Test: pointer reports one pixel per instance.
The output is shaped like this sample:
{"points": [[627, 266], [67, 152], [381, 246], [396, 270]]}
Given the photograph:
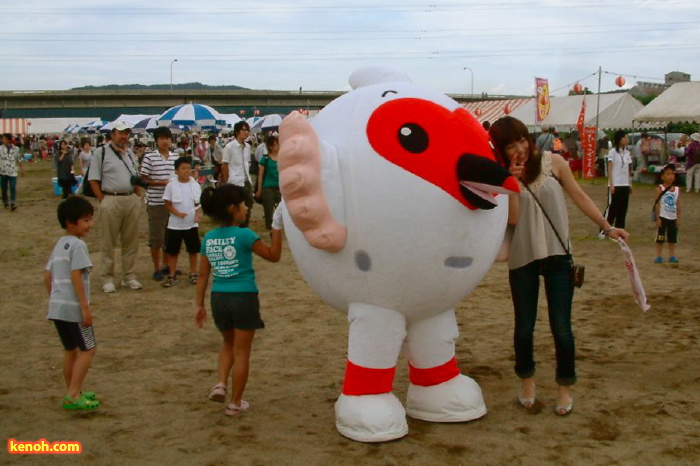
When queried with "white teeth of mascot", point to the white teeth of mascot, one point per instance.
{"points": [[379, 225]]}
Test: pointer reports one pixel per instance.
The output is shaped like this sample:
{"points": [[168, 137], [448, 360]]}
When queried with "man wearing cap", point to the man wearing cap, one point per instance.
{"points": [[692, 164], [113, 172], [236, 160]]}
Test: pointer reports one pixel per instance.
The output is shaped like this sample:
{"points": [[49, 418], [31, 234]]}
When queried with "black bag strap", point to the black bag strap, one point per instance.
{"points": [[661, 195], [566, 248]]}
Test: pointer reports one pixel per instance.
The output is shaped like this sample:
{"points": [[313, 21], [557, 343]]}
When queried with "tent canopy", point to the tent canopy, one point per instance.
{"points": [[679, 103], [617, 111]]}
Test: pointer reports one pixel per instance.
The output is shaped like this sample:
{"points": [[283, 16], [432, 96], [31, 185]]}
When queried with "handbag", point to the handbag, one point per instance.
{"points": [[578, 271]]}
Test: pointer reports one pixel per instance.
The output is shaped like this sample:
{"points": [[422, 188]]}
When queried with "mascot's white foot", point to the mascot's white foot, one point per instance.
{"points": [[370, 418], [457, 400]]}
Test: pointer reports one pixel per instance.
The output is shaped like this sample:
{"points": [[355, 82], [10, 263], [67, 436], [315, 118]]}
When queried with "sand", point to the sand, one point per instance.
{"points": [[636, 403]]}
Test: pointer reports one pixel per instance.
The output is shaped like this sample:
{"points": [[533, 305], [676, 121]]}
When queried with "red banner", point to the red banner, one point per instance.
{"points": [[542, 96], [581, 122], [588, 137]]}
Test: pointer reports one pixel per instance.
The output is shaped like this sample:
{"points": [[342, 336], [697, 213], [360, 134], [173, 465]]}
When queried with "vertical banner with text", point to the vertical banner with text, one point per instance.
{"points": [[588, 140], [542, 96]]}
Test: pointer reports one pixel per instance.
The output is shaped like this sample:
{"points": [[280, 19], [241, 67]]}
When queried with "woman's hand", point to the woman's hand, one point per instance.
{"points": [[619, 233], [516, 167]]}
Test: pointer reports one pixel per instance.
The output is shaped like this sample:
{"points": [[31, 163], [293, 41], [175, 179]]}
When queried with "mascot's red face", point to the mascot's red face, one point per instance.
{"points": [[448, 149]]}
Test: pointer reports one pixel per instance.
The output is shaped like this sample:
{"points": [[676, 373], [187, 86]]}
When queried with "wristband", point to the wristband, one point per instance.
{"points": [[606, 232]]}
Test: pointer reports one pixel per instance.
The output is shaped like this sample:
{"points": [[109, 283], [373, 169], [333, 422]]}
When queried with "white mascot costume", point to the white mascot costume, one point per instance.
{"points": [[392, 214]]}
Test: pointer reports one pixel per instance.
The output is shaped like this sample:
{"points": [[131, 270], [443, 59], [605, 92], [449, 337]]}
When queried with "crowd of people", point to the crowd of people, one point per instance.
{"points": [[537, 240]]}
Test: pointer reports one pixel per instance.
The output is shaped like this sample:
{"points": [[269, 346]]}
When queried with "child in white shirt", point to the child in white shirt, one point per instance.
{"points": [[181, 198]]}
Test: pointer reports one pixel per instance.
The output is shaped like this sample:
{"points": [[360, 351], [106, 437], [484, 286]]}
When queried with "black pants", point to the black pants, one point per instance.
{"points": [[617, 211], [66, 187]]}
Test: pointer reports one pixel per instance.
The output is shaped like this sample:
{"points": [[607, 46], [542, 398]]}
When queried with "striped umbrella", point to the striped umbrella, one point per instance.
{"points": [[193, 115]]}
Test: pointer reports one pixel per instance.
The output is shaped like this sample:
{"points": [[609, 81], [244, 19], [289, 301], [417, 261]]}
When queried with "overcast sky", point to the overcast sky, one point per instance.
{"points": [[271, 44]]}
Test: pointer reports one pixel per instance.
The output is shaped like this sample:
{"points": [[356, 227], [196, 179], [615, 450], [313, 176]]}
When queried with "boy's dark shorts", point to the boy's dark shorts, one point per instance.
{"points": [[668, 232], [236, 310], [174, 238], [75, 335]]}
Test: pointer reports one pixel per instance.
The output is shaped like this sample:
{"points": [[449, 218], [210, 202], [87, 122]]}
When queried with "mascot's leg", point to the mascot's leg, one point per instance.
{"points": [[367, 411], [438, 392]]}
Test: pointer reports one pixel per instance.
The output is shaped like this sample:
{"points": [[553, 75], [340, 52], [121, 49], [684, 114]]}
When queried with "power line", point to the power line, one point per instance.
{"points": [[276, 9], [350, 55]]}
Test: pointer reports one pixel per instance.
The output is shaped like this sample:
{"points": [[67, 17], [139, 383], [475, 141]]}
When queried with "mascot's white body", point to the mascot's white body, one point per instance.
{"points": [[377, 225]]}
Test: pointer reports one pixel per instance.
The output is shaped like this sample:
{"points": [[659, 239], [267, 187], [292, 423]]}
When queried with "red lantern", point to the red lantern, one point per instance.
{"points": [[578, 88], [620, 81], [256, 112], [478, 112], [242, 112], [507, 109]]}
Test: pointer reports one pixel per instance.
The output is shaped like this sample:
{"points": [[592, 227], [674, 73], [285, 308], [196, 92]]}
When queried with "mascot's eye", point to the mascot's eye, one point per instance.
{"points": [[413, 138]]}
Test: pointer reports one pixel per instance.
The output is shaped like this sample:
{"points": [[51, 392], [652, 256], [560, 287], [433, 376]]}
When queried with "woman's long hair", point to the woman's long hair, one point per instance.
{"points": [[508, 130], [617, 139]]}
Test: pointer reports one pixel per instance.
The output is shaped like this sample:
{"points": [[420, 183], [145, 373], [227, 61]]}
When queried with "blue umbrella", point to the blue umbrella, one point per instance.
{"points": [[193, 115]]}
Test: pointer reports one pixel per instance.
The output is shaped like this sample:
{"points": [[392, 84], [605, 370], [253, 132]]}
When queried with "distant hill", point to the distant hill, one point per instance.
{"points": [[158, 87]]}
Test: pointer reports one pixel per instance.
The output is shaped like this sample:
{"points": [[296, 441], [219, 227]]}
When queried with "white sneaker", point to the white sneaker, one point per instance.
{"points": [[132, 283], [109, 287]]}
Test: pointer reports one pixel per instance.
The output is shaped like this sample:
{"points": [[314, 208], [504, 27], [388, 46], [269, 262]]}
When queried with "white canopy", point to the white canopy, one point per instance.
{"points": [[679, 103], [616, 111], [131, 119]]}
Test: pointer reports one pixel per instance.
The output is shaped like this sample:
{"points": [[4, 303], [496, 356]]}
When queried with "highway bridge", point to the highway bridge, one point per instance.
{"points": [[109, 104]]}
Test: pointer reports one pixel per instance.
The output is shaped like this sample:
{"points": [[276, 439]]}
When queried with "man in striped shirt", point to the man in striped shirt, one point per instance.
{"points": [[156, 170]]}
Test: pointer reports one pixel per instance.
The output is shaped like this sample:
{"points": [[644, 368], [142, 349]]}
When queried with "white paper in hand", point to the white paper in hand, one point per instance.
{"points": [[277, 218], [637, 288]]}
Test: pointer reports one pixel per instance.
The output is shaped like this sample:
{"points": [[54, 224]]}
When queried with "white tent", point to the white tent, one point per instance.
{"points": [[617, 111], [679, 103]]}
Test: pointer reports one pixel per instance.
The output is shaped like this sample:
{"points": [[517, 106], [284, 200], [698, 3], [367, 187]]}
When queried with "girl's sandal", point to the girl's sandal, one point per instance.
{"points": [[234, 409], [193, 278], [218, 393], [80, 404]]}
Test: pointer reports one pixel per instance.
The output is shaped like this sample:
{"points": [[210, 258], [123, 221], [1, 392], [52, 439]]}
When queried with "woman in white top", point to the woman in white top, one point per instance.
{"points": [[536, 250], [619, 180], [85, 156]]}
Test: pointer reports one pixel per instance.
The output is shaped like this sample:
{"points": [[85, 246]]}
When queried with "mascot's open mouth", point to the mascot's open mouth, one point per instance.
{"points": [[480, 178]]}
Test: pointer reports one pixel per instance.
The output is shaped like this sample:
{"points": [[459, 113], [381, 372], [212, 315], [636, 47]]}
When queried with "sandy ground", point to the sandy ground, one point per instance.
{"points": [[637, 401]]}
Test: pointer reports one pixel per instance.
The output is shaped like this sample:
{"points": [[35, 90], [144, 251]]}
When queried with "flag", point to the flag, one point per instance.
{"points": [[542, 96], [581, 122], [635, 280]]}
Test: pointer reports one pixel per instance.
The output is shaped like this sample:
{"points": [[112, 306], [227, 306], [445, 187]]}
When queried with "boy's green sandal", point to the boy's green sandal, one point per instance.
{"points": [[80, 404], [89, 395]]}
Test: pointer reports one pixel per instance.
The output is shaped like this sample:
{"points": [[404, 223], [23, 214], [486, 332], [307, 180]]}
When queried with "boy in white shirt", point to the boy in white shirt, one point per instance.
{"points": [[181, 198]]}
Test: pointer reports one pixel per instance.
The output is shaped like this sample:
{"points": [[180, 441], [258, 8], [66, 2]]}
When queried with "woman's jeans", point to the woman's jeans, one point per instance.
{"points": [[66, 187], [524, 287], [10, 181]]}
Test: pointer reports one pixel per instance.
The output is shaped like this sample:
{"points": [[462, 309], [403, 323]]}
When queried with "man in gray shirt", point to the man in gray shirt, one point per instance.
{"points": [[111, 178]]}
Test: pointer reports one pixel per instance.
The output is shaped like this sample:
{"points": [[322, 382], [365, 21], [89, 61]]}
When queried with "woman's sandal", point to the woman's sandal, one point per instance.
{"points": [[218, 393], [234, 409], [563, 410], [80, 404], [193, 278], [527, 403]]}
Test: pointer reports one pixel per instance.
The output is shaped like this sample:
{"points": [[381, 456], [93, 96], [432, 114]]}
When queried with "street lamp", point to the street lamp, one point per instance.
{"points": [[171, 74], [472, 81]]}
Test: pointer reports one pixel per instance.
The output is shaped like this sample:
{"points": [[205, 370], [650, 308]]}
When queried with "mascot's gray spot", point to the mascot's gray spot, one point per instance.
{"points": [[363, 261], [458, 262]]}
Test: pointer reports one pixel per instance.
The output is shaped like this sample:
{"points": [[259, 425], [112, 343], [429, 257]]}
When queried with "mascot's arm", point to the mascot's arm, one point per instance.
{"points": [[301, 185]]}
